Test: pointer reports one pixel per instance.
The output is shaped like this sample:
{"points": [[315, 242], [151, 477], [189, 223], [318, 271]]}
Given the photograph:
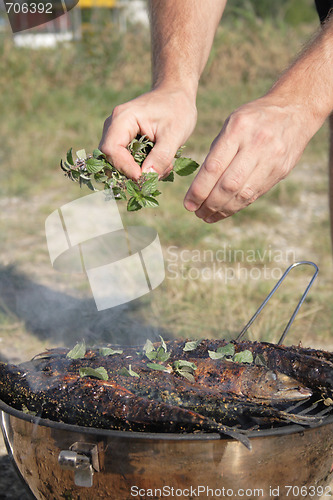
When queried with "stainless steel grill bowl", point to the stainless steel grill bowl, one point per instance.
{"points": [[62, 461]]}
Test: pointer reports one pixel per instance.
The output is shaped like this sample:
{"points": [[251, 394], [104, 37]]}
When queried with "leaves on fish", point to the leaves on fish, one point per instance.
{"points": [[108, 351], [78, 351], [159, 354], [148, 347], [185, 369], [191, 345], [225, 351], [93, 170], [155, 366], [128, 372], [243, 357], [99, 372]]}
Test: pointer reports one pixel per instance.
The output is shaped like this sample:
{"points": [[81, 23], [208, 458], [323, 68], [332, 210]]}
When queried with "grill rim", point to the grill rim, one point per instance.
{"points": [[284, 430]]}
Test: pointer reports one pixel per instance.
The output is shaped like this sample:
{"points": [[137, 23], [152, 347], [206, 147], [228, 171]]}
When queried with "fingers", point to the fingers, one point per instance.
{"points": [[166, 116], [214, 166], [258, 146], [161, 157], [114, 142]]}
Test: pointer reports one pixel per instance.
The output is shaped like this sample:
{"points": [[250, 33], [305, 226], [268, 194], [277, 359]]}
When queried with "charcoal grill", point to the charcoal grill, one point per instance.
{"points": [[62, 461]]}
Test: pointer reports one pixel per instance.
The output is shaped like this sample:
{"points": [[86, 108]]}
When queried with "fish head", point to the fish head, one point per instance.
{"points": [[279, 387]]}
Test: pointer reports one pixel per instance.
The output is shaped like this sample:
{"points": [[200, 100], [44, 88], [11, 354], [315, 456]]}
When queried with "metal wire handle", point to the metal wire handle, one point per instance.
{"points": [[286, 330]]}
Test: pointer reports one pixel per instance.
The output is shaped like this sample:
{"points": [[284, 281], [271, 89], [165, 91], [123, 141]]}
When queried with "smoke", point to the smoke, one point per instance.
{"points": [[64, 319]]}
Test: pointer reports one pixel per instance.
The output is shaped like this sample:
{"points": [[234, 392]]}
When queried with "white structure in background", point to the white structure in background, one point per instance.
{"points": [[64, 28], [132, 12]]}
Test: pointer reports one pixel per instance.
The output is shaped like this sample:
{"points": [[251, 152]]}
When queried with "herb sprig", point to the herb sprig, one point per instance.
{"points": [[95, 170]]}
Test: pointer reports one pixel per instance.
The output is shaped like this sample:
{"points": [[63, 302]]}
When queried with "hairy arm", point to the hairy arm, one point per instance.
{"points": [[262, 141], [182, 34]]}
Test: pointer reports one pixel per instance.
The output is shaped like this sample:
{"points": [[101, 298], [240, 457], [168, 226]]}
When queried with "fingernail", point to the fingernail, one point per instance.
{"points": [[149, 170], [210, 219], [191, 206]]}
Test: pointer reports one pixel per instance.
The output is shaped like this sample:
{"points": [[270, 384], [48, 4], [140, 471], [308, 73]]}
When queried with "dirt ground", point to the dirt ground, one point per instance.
{"points": [[11, 487]]}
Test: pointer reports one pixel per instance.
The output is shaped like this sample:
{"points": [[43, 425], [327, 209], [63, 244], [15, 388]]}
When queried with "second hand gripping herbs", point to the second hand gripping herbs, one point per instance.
{"points": [[95, 170]]}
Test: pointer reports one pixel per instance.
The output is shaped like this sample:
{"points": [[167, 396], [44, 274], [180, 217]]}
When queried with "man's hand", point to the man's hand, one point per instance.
{"points": [[258, 146], [166, 116]]}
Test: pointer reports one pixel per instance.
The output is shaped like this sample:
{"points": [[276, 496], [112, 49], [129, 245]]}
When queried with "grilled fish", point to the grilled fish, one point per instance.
{"points": [[212, 396]]}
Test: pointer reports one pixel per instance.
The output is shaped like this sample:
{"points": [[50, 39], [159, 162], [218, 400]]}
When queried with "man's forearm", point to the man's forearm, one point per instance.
{"points": [[182, 35], [308, 83]]}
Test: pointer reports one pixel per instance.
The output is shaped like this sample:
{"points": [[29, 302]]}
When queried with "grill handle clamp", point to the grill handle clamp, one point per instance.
{"points": [[286, 330], [82, 459]]}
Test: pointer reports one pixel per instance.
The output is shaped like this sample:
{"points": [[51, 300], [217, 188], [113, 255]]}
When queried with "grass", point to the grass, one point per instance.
{"points": [[53, 100]]}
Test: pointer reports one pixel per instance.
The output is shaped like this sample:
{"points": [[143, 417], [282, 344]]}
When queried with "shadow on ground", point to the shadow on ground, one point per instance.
{"points": [[11, 486]]}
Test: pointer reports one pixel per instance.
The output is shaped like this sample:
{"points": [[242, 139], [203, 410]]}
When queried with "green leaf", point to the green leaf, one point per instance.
{"points": [[118, 193], [185, 369], [87, 182], [81, 154], [75, 174], [163, 344], [152, 355], [216, 355], [67, 165], [182, 364], [78, 351], [156, 193], [133, 205], [108, 351], [64, 167], [222, 352], [185, 166], [243, 357], [149, 201], [100, 177], [169, 178], [94, 166], [155, 366], [132, 188], [84, 176], [129, 372], [192, 345], [70, 157], [99, 372], [97, 153], [148, 347], [162, 355], [149, 185], [227, 350], [189, 376]]}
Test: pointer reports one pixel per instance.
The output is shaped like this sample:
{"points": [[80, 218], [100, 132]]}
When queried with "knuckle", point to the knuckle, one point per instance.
{"points": [[196, 192], [117, 111], [230, 185], [283, 172], [246, 195], [238, 121], [213, 166]]}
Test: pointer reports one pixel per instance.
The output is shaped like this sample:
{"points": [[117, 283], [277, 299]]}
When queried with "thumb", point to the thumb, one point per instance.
{"points": [[160, 159]]}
